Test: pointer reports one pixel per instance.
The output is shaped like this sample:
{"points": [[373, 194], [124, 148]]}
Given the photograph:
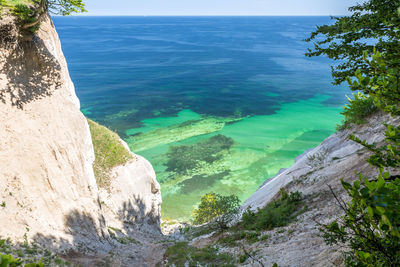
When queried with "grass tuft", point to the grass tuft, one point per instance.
{"points": [[278, 213], [357, 110], [109, 152], [181, 254]]}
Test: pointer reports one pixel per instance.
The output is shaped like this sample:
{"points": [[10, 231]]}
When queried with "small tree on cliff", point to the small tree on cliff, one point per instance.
{"points": [[216, 208], [31, 15]]}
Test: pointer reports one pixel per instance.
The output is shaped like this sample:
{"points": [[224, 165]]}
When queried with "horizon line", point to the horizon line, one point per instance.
{"points": [[111, 15]]}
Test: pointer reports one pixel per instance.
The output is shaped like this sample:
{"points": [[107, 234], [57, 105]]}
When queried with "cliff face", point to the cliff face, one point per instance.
{"points": [[46, 153], [47, 186], [300, 243]]}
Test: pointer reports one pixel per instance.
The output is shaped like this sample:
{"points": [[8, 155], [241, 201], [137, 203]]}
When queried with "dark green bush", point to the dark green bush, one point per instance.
{"points": [[371, 224], [231, 238], [10, 261], [181, 253], [29, 255], [357, 110], [26, 15], [276, 214]]}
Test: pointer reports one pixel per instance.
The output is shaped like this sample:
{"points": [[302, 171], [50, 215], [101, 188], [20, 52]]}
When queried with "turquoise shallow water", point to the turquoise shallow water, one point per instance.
{"points": [[214, 103], [262, 145]]}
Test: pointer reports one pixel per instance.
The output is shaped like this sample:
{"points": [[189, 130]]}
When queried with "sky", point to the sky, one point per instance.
{"points": [[218, 7]]}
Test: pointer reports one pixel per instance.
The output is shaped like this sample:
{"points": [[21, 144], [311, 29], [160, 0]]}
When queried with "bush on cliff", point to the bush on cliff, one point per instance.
{"points": [[109, 152], [371, 224], [357, 110], [276, 214], [31, 12], [216, 208], [181, 254], [28, 255]]}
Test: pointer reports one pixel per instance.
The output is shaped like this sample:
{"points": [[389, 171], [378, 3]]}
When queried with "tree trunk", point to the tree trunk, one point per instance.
{"points": [[40, 13]]}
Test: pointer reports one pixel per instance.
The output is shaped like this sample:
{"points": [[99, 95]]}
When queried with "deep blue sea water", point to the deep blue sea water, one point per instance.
{"points": [[177, 81]]}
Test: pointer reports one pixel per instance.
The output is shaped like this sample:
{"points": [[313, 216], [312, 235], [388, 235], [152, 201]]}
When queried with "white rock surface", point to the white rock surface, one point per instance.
{"points": [[47, 182], [133, 196], [46, 153]]}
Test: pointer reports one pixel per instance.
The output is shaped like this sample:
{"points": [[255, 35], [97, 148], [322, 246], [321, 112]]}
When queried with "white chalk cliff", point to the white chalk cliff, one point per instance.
{"points": [[48, 190]]}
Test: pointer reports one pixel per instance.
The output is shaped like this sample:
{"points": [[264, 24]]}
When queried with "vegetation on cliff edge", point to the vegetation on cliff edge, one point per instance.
{"points": [[109, 152], [28, 255], [29, 13]]}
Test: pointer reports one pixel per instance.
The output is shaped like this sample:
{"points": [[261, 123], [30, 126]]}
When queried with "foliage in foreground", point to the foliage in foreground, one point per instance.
{"points": [[372, 26], [371, 224], [368, 42], [387, 155], [109, 152], [217, 208], [181, 253], [382, 83], [278, 213], [27, 255], [357, 110]]}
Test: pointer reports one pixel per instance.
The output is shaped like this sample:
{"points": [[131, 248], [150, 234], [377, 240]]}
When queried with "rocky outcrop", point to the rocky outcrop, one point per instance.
{"points": [[134, 196], [48, 190]]}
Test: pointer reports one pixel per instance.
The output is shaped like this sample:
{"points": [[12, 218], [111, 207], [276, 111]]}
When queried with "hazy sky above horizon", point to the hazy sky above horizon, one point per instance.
{"points": [[219, 7]]}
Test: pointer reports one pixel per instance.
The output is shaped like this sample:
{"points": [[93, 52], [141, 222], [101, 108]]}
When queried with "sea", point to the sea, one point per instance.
{"points": [[216, 104]]}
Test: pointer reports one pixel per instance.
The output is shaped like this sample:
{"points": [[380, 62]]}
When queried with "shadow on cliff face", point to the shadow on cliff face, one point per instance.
{"points": [[31, 69], [133, 214], [87, 234]]}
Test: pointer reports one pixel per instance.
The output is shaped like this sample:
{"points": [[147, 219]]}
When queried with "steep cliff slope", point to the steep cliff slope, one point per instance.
{"points": [[337, 157], [46, 152], [48, 190]]}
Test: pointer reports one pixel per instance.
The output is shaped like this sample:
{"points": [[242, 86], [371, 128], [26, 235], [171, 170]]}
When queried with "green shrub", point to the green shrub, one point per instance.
{"points": [[109, 152], [187, 157], [371, 224], [357, 110], [230, 239], [382, 83], [387, 155], [276, 214], [30, 12], [243, 258], [181, 254], [29, 255], [216, 208], [25, 16], [10, 261]]}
